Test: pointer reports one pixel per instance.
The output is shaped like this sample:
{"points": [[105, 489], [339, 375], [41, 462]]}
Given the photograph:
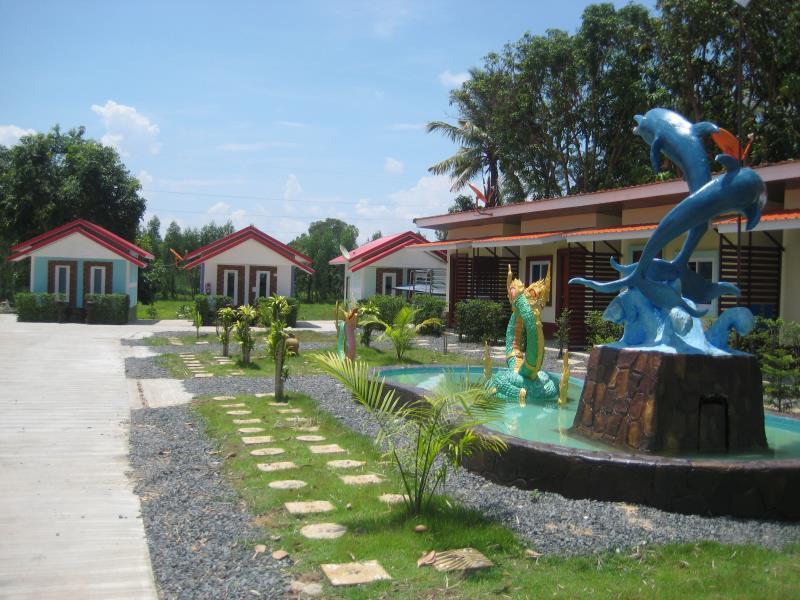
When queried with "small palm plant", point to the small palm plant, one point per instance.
{"points": [[427, 438], [402, 332], [245, 317], [226, 318], [197, 320], [275, 311]]}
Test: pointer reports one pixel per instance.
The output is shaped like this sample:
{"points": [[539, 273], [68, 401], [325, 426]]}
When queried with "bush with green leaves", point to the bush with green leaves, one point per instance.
{"points": [[781, 370], [110, 309], [387, 306], [208, 306], [429, 307], [226, 317], [562, 331], [402, 331], [599, 331], [36, 306], [243, 330], [275, 310], [480, 320], [427, 438], [367, 309]]}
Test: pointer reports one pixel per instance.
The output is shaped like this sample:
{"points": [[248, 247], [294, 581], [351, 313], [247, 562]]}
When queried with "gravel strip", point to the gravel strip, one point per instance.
{"points": [[145, 368], [551, 523], [200, 534]]}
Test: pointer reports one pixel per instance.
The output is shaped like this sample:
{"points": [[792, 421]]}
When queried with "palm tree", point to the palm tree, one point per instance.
{"points": [[403, 330]]}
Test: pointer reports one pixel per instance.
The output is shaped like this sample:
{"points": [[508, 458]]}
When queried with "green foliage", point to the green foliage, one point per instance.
{"points": [[226, 317], [197, 320], [267, 310], [480, 320], [428, 307], [782, 372], [152, 312], [367, 309], [109, 308], [387, 306], [599, 331], [562, 330], [208, 306], [243, 332], [402, 331], [321, 244], [36, 307], [424, 439]]}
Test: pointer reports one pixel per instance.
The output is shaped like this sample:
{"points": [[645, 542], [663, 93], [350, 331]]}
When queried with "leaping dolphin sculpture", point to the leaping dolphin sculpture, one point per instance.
{"points": [[738, 190]]}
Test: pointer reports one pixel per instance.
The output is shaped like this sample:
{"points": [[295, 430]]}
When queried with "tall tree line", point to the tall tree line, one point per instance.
{"points": [[552, 114]]}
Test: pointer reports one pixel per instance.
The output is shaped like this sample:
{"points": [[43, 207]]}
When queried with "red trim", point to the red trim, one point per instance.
{"points": [[389, 252], [381, 248], [102, 232], [778, 215], [233, 240]]}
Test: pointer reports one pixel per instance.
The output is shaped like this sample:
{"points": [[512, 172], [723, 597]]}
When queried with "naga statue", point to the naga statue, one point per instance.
{"points": [[659, 301], [346, 331], [523, 379]]}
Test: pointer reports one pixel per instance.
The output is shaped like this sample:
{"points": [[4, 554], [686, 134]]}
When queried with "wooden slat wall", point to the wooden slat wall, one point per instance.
{"points": [[592, 265], [482, 277], [761, 277]]}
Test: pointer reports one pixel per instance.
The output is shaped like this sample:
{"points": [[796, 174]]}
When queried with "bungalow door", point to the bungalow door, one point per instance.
{"points": [[263, 284]]}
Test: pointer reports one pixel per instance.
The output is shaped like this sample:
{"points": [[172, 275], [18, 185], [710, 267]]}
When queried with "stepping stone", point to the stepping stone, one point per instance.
{"points": [[257, 439], [310, 507], [265, 395], [308, 428], [250, 429], [246, 421], [267, 451], [224, 397], [306, 588], [323, 531], [201, 343], [236, 405], [236, 413], [346, 464], [361, 479], [392, 498], [284, 404], [355, 573], [463, 559], [287, 484], [203, 375], [290, 411], [233, 373], [276, 466], [296, 419], [326, 449], [310, 438]]}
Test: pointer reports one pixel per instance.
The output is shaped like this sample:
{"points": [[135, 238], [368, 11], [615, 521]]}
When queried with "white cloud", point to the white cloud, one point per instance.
{"points": [[393, 166], [406, 126], [255, 146], [240, 219], [10, 134], [144, 178], [431, 195], [127, 129], [292, 124], [220, 208], [453, 80], [292, 189]]}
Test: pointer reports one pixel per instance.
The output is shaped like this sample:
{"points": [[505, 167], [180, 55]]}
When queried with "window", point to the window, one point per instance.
{"points": [[262, 284], [705, 264], [389, 283], [62, 280], [97, 280], [537, 270], [231, 284]]}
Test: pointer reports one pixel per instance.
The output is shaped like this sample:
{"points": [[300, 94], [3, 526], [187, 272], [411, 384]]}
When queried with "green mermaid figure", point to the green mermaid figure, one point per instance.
{"points": [[346, 332], [523, 379]]}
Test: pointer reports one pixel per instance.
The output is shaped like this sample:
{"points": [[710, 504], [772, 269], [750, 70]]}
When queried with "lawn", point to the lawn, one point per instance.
{"points": [[166, 310], [316, 312], [377, 531]]}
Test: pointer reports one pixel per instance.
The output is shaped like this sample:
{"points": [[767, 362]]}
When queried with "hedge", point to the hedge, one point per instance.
{"points": [[428, 307], [109, 309], [209, 305], [480, 320], [36, 307], [599, 331], [388, 306]]}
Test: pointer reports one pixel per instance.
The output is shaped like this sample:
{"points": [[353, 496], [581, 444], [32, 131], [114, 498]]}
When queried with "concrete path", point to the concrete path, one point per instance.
{"points": [[69, 521]]}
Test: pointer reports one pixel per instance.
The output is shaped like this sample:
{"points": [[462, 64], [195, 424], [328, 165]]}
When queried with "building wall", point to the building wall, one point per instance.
{"points": [[791, 196], [566, 222], [246, 254], [39, 269], [790, 276], [476, 231]]}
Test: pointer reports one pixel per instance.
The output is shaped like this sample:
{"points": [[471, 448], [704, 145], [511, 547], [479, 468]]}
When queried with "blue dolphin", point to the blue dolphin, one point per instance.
{"points": [[738, 190]]}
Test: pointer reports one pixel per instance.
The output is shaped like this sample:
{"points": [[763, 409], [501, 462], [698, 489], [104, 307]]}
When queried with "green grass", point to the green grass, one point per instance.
{"points": [[385, 533], [166, 309], [263, 366], [316, 312]]}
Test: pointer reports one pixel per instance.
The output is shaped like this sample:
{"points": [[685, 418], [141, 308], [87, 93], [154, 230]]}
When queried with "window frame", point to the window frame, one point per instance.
{"points": [[67, 269], [540, 260], [235, 294], [102, 271], [258, 283], [394, 284]]}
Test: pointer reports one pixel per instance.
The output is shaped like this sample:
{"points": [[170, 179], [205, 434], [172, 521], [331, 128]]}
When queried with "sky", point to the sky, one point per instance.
{"points": [[268, 113]]}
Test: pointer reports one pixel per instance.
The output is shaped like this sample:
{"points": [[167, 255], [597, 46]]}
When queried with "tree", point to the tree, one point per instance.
{"points": [[321, 243], [49, 179], [376, 236]]}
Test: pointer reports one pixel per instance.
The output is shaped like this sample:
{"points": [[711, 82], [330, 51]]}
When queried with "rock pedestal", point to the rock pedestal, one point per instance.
{"points": [[672, 403]]}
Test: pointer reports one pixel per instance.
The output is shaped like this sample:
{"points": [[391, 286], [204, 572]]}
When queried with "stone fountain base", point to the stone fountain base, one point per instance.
{"points": [[672, 403]]}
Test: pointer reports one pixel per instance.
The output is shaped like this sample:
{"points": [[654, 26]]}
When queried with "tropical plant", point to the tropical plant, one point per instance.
{"points": [[599, 331], [562, 330], [427, 438], [243, 332], [152, 312], [197, 320], [367, 309], [226, 318], [402, 331], [782, 372], [274, 311]]}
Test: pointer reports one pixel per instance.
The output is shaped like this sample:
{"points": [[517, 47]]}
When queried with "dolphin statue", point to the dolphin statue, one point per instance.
{"points": [[738, 190], [668, 132]]}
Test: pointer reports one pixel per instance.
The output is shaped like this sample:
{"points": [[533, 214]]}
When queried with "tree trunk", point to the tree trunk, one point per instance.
{"points": [[279, 371], [225, 348]]}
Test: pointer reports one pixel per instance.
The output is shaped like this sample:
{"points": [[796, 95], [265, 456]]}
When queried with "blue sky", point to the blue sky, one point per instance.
{"points": [[270, 113]]}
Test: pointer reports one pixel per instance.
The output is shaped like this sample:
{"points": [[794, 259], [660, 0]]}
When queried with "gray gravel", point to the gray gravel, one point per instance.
{"points": [[551, 523], [200, 534], [144, 368]]}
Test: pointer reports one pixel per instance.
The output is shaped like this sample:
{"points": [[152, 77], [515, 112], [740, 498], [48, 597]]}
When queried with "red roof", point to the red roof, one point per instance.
{"points": [[778, 215], [381, 248], [219, 246], [100, 235]]}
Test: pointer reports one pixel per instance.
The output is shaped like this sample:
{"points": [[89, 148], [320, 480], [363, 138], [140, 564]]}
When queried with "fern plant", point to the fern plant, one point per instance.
{"points": [[427, 438], [402, 331], [243, 332], [226, 319]]}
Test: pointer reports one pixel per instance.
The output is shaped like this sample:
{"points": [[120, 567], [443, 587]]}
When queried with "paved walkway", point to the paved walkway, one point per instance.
{"points": [[69, 522]]}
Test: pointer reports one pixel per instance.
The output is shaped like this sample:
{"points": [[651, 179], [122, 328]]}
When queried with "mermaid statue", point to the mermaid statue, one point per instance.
{"points": [[524, 380], [346, 332]]}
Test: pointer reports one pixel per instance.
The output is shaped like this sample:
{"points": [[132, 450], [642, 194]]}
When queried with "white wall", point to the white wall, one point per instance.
{"points": [[76, 245], [250, 253], [408, 259]]}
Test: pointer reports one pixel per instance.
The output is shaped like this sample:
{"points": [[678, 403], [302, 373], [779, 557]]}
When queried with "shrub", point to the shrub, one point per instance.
{"points": [[36, 307], [402, 331], [110, 309], [388, 306], [227, 319], [245, 317], [367, 309], [294, 308], [562, 331], [428, 307], [480, 320], [599, 331], [208, 306]]}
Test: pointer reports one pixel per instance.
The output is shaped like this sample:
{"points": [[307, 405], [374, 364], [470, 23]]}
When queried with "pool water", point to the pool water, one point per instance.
{"points": [[549, 423]]}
